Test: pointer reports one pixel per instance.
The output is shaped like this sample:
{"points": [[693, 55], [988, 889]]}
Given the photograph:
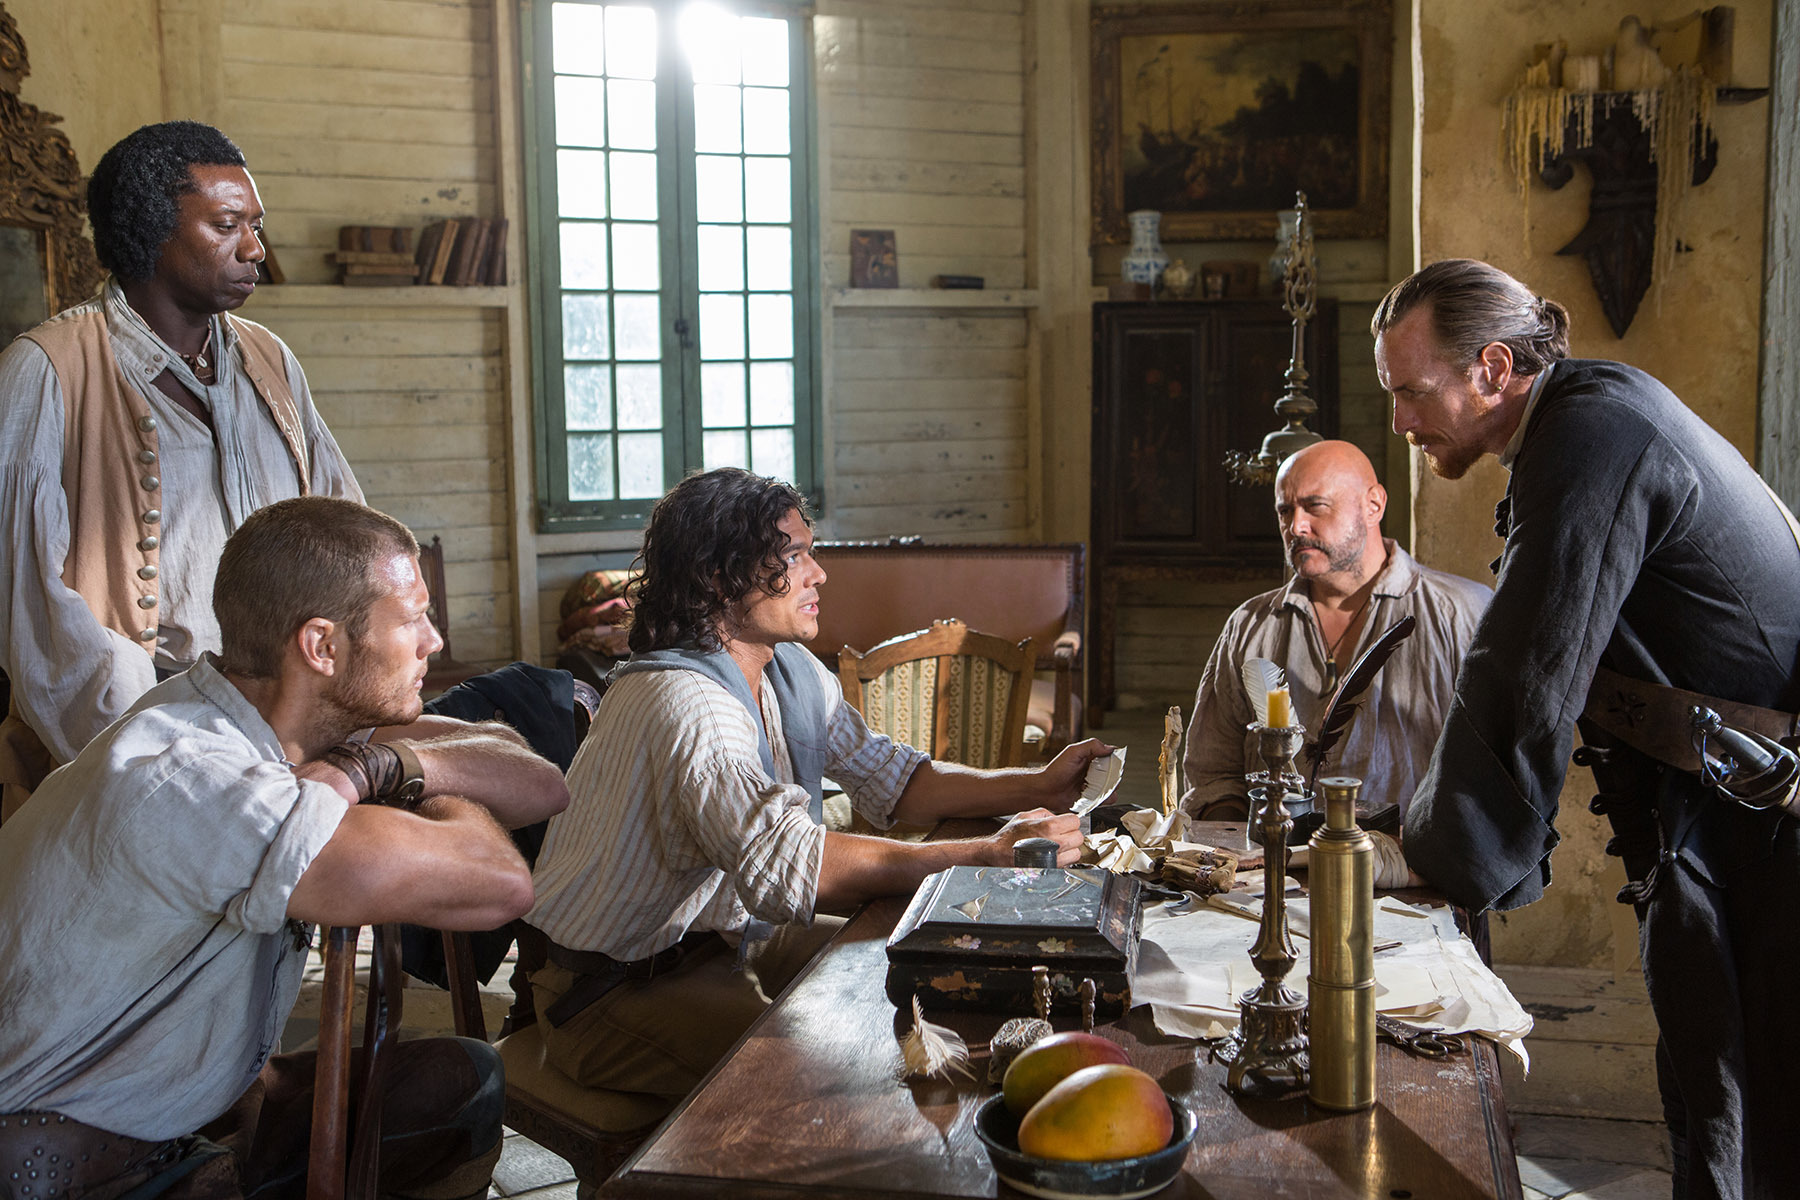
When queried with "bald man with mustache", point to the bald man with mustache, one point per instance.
{"points": [[1350, 584]]}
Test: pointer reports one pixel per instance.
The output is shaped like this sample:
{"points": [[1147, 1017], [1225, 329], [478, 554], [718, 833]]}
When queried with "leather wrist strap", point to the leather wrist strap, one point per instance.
{"points": [[410, 789], [382, 772]]}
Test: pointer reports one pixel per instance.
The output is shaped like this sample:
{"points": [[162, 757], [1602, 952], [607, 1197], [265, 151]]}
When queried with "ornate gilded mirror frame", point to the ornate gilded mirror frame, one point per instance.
{"points": [[42, 193]]}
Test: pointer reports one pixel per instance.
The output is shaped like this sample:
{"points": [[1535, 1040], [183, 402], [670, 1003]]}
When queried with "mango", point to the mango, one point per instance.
{"points": [[1097, 1114], [1046, 1063]]}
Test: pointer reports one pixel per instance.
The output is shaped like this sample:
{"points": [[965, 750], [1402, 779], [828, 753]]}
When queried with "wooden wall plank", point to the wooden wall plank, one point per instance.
{"points": [[941, 364], [902, 489], [962, 395], [303, 194], [931, 456], [921, 83], [337, 374], [932, 179], [341, 158], [885, 42], [329, 119], [916, 144], [359, 49], [878, 23], [928, 332], [954, 116], [385, 88], [469, 22], [884, 428]]}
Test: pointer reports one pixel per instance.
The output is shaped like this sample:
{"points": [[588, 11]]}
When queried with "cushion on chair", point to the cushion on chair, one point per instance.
{"points": [[599, 1110], [898, 702], [975, 701]]}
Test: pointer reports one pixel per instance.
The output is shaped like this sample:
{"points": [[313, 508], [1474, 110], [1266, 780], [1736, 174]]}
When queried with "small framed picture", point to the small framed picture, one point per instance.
{"points": [[872, 261]]}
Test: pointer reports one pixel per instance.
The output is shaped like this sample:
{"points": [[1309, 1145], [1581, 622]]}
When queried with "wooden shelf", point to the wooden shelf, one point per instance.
{"points": [[933, 298], [336, 295]]}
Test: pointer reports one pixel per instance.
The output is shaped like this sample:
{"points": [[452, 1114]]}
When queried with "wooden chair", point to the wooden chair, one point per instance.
{"points": [[343, 1164], [445, 671], [594, 1129], [955, 693]]}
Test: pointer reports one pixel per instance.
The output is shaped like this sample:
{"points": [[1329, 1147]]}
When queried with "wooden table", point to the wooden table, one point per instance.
{"points": [[808, 1105]]}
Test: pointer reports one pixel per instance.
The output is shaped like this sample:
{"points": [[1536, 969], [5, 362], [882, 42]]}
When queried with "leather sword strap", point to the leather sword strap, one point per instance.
{"points": [[1652, 718]]}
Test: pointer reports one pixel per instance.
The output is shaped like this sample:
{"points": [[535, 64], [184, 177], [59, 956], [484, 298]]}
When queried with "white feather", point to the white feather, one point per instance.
{"points": [[1260, 678], [933, 1049]]}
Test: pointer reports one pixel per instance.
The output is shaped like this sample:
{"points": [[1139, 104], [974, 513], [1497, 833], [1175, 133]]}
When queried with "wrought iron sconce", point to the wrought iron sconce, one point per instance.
{"points": [[1300, 299]]}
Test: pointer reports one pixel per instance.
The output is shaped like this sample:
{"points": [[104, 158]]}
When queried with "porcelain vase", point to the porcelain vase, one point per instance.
{"points": [[1146, 259]]}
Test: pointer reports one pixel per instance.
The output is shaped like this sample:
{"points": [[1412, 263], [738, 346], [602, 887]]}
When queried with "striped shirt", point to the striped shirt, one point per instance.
{"points": [[673, 825]]}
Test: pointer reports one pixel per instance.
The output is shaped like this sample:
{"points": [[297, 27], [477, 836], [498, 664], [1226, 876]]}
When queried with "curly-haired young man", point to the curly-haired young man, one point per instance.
{"points": [[681, 887], [137, 430]]}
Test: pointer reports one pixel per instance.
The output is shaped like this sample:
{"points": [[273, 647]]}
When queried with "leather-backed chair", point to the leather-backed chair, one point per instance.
{"points": [[879, 590], [957, 694], [594, 1129]]}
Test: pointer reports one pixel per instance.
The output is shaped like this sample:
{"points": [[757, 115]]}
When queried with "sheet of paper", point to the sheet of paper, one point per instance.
{"points": [[1193, 965], [1103, 776]]}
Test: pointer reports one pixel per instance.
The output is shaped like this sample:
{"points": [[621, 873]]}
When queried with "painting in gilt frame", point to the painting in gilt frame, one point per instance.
{"points": [[1215, 114]]}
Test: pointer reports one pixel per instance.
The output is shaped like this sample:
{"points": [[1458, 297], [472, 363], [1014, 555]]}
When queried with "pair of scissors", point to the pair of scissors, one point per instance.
{"points": [[1422, 1042]]}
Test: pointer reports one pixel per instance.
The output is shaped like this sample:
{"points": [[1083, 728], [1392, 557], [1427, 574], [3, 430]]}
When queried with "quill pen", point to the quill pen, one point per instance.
{"points": [[1260, 678], [1351, 693]]}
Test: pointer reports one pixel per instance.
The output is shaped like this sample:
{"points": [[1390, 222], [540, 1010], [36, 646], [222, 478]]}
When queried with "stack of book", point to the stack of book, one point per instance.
{"points": [[374, 256], [463, 252]]}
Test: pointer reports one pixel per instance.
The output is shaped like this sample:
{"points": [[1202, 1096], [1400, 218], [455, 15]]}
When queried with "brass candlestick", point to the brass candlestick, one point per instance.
{"points": [[1268, 1053], [1276, 746]]}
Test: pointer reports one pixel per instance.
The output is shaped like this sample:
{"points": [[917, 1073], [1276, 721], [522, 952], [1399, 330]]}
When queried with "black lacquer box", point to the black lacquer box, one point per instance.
{"points": [[972, 935]]}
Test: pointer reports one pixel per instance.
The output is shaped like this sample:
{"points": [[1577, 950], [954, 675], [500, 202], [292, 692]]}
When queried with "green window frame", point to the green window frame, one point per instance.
{"points": [[674, 250]]}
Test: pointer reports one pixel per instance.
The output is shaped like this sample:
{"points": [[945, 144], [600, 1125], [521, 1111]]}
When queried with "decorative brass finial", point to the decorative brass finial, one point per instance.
{"points": [[1296, 405]]}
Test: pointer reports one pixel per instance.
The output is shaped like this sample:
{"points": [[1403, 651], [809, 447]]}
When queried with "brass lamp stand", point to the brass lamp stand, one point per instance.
{"points": [[1299, 298], [1268, 1053]]}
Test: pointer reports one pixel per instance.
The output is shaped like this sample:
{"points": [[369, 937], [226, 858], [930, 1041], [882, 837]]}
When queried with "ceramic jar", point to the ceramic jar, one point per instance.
{"points": [[1146, 259], [1178, 280]]}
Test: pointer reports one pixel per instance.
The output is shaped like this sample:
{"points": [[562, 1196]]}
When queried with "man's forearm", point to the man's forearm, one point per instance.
{"points": [[447, 865], [938, 791], [491, 765], [855, 869]]}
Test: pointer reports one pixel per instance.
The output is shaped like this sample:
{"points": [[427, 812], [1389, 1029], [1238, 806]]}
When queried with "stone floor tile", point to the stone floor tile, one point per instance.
{"points": [[1565, 1176], [561, 1191], [1640, 1185], [525, 1166], [1638, 1143]]}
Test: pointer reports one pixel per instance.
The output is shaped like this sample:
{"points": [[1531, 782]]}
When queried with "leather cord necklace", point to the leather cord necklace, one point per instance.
{"points": [[197, 362], [1331, 667]]}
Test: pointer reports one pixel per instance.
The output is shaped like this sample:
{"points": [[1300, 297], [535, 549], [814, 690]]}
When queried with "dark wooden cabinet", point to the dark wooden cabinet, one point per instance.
{"points": [[1176, 386]]}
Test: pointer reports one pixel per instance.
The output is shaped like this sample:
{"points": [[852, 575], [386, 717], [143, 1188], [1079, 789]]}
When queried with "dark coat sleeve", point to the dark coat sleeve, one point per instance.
{"points": [[1593, 493]]}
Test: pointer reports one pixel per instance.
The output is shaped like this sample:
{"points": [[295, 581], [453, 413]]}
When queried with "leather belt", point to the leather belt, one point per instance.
{"points": [[1652, 718], [54, 1157], [597, 974]]}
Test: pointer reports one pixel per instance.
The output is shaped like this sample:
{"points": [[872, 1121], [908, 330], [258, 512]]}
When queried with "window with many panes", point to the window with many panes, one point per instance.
{"points": [[673, 253]]}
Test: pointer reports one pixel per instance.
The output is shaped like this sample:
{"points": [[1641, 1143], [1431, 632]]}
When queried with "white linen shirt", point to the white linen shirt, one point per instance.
{"points": [[674, 826], [146, 961], [71, 676], [1389, 742]]}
